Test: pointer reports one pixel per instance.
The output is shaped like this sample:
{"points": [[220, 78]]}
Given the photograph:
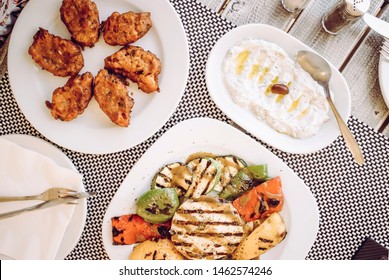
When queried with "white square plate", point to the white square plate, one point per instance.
{"points": [[300, 211]]}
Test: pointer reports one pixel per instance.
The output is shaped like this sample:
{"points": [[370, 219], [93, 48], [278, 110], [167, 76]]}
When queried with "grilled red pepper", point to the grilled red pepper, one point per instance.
{"points": [[260, 201], [130, 229]]}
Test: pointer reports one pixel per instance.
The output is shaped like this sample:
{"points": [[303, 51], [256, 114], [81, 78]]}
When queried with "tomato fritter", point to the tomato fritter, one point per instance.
{"points": [[59, 56], [71, 100], [140, 66], [111, 93], [81, 18], [123, 29]]}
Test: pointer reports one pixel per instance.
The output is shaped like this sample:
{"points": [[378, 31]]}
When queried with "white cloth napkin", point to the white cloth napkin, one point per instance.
{"points": [[37, 234]]}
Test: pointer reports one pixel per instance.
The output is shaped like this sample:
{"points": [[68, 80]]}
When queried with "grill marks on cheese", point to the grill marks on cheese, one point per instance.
{"points": [[207, 228]]}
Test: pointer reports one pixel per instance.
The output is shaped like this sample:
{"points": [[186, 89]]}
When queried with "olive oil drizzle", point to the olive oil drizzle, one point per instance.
{"points": [[241, 61]]}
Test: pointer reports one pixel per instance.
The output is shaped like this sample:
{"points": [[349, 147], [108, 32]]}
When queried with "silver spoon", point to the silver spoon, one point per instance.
{"points": [[321, 72]]}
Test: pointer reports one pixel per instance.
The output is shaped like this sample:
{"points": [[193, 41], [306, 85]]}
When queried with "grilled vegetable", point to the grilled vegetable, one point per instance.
{"points": [[130, 229], [269, 234], [261, 201], [230, 165], [174, 175], [206, 228], [158, 205], [206, 175], [244, 180], [156, 249]]}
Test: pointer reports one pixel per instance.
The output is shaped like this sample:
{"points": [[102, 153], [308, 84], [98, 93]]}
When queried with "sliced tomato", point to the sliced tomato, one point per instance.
{"points": [[130, 229], [261, 201]]}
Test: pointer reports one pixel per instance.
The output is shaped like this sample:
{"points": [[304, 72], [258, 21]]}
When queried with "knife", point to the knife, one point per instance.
{"points": [[47, 204], [378, 25]]}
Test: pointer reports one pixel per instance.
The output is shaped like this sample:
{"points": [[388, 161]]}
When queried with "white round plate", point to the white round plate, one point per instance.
{"points": [[93, 132], [76, 225], [383, 74], [300, 211], [221, 96]]}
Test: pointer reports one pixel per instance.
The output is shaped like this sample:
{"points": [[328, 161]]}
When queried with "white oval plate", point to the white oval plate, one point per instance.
{"points": [[383, 74], [93, 132], [76, 225], [300, 210], [221, 96]]}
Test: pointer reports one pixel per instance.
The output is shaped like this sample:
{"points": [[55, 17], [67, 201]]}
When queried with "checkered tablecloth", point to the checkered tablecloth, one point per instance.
{"points": [[352, 200]]}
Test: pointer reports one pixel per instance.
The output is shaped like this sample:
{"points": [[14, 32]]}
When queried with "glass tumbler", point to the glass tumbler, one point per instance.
{"points": [[294, 5]]}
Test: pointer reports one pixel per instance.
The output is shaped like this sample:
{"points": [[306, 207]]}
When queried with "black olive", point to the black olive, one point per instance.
{"points": [[164, 231]]}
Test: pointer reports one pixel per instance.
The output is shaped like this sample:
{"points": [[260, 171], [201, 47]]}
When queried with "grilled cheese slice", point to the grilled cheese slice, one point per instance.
{"points": [[207, 228]]}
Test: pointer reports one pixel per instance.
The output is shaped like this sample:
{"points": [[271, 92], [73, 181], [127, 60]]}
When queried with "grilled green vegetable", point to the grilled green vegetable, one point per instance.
{"points": [[230, 165], [246, 178], [158, 205]]}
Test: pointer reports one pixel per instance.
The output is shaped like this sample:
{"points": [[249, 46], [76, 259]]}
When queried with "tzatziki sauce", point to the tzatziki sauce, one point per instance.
{"points": [[253, 66]]}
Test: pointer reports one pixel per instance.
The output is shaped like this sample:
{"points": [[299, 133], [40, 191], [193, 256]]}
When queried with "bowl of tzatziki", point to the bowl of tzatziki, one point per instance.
{"points": [[253, 77]]}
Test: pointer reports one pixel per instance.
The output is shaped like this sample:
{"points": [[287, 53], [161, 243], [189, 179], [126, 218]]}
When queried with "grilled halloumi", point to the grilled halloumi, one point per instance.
{"points": [[269, 234], [206, 228]]}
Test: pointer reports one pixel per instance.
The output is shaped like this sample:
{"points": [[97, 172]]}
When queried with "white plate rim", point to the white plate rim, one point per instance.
{"points": [[89, 135], [219, 93], [77, 223], [202, 134], [383, 68]]}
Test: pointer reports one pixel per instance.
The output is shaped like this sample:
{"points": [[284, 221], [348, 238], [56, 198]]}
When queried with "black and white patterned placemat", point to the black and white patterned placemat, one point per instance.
{"points": [[353, 201]]}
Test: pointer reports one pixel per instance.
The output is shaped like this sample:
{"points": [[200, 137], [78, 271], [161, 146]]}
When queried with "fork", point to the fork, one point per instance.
{"points": [[385, 48], [52, 193]]}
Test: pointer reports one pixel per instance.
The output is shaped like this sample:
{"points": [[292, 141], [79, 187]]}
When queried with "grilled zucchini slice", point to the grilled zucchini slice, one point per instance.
{"points": [[174, 175], [244, 180], [230, 165], [206, 175]]}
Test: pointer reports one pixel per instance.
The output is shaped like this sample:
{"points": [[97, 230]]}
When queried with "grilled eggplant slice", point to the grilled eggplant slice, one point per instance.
{"points": [[174, 175], [269, 234], [206, 228], [230, 165], [206, 175]]}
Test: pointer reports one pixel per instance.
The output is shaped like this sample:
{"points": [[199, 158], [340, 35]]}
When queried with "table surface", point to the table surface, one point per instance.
{"points": [[357, 47], [333, 178]]}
